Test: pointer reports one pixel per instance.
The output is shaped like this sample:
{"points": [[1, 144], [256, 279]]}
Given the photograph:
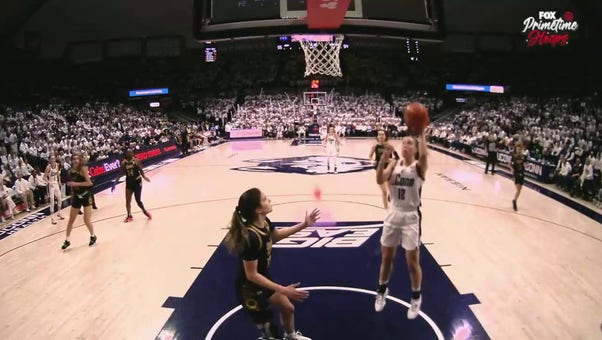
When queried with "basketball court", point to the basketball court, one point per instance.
{"points": [[489, 272]]}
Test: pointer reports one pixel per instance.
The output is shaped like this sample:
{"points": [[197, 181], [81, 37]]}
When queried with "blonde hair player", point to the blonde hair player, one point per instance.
{"points": [[403, 219], [332, 142], [53, 176], [251, 235], [81, 196], [382, 143]]}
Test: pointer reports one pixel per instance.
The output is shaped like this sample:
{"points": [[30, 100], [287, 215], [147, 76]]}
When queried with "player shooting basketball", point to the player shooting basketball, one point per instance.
{"points": [[402, 224]]}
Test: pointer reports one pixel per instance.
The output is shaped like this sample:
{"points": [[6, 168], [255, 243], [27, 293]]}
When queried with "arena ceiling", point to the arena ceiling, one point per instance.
{"points": [[458, 15], [15, 13]]}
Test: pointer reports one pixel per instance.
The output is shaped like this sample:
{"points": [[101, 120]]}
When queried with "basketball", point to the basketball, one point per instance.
{"points": [[416, 117]]}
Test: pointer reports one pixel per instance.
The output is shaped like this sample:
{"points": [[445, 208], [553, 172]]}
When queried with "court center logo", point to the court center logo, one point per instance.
{"points": [[550, 28], [307, 165]]}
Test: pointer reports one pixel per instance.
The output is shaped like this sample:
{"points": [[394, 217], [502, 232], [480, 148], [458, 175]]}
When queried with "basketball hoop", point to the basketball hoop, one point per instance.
{"points": [[321, 53]]}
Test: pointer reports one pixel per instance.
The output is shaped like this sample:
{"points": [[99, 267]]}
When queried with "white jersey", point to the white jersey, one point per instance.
{"points": [[405, 187], [53, 175], [331, 141]]}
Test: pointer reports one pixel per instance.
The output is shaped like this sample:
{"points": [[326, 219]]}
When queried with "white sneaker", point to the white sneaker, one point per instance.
{"points": [[414, 308], [295, 336], [381, 300]]}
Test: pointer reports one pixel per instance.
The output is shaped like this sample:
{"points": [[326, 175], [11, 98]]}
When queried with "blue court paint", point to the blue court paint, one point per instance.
{"points": [[470, 299], [172, 302], [340, 264]]}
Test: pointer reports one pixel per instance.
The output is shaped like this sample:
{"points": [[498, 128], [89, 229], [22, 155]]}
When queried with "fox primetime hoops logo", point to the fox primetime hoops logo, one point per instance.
{"points": [[549, 28]]}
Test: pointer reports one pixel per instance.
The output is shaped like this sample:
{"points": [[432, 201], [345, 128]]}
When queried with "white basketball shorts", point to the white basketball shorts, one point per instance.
{"points": [[401, 228], [332, 151]]}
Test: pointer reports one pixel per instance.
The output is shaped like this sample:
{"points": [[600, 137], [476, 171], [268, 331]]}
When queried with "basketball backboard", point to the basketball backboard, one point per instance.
{"points": [[318, 98], [298, 9]]}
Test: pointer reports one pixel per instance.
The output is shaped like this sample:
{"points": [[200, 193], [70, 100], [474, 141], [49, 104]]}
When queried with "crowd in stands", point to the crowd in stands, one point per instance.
{"points": [[563, 132], [432, 103], [97, 130], [224, 95], [352, 115]]}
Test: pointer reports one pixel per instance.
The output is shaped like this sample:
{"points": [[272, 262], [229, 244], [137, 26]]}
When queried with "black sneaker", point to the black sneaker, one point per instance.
{"points": [[92, 240], [66, 244], [514, 205]]}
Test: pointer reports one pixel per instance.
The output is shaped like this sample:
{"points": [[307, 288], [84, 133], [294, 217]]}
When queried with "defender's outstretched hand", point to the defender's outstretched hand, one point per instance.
{"points": [[312, 218]]}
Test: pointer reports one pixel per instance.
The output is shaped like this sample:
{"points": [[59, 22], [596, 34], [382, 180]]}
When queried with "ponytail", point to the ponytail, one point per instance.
{"points": [[237, 236]]}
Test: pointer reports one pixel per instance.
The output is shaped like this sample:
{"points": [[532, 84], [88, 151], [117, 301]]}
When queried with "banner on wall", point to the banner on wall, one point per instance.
{"points": [[246, 133], [106, 169], [541, 171]]}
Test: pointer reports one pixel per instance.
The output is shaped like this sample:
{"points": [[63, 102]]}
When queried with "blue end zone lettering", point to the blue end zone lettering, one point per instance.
{"points": [[22, 224]]}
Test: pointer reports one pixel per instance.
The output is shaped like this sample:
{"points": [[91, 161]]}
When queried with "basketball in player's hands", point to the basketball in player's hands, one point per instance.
{"points": [[416, 117]]}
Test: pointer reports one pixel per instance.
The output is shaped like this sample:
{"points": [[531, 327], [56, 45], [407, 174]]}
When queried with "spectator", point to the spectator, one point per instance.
{"points": [[7, 202], [26, 195]]}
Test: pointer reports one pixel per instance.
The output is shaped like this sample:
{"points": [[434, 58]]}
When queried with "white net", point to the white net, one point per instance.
{"points": [[322, 57]]}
